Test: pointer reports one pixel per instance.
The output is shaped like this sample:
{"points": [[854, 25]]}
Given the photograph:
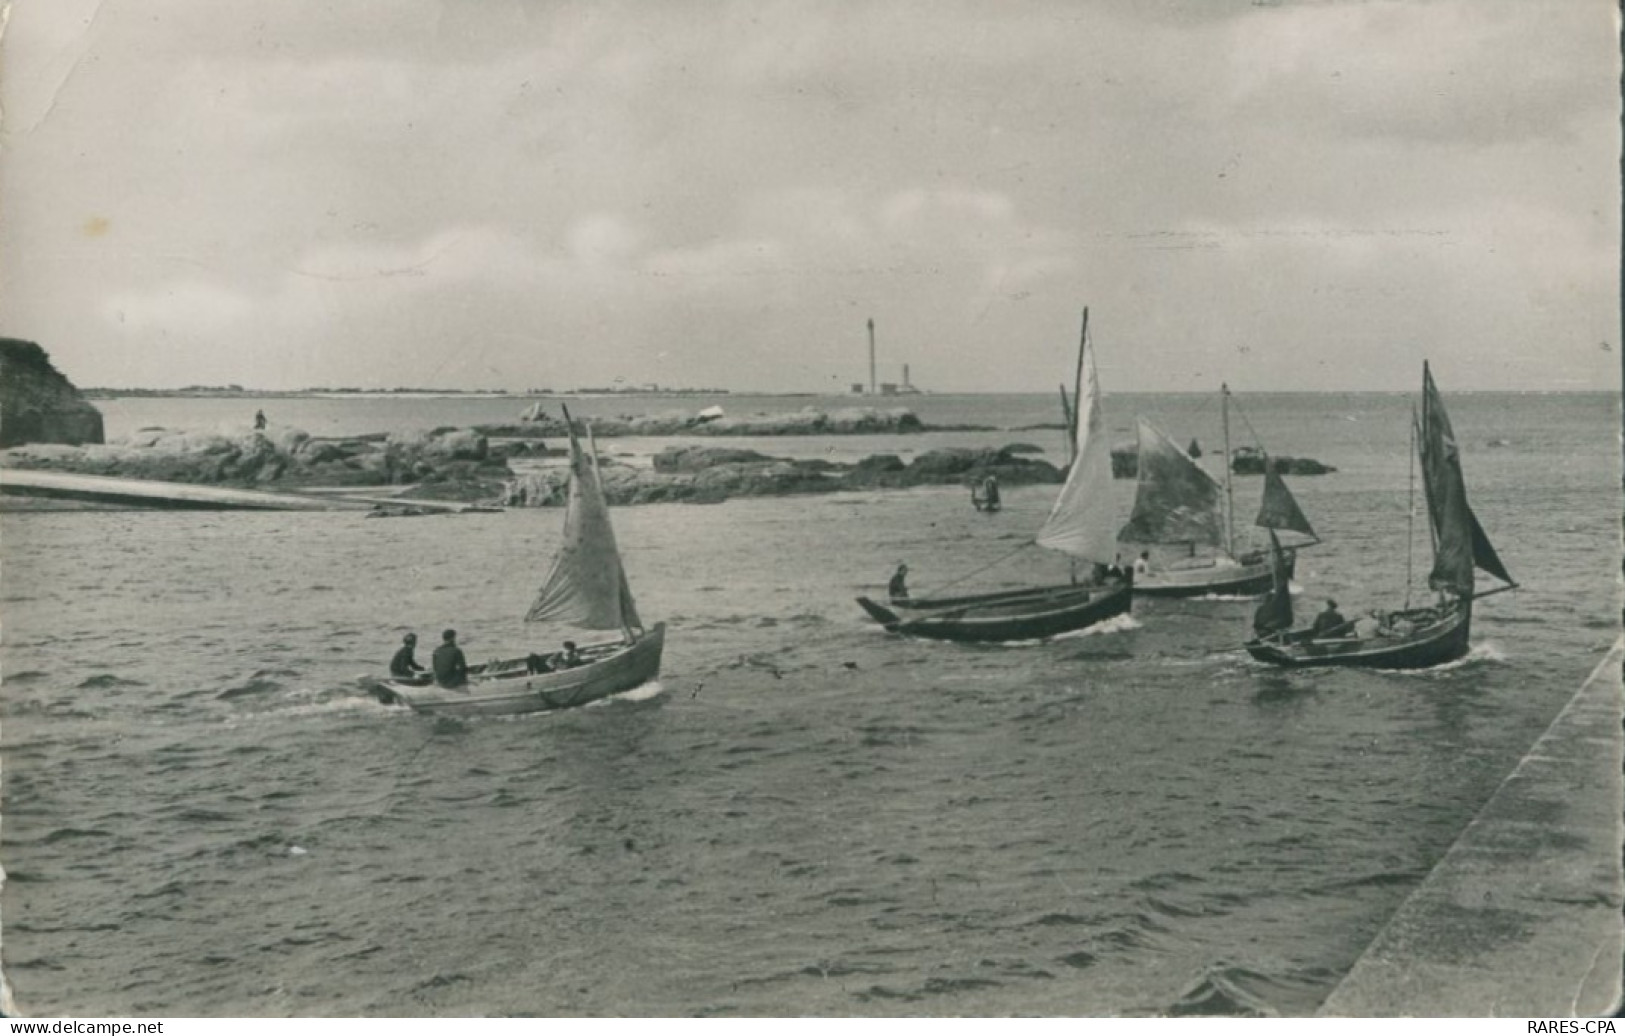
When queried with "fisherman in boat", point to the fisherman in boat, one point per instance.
{"points": [[404, 665], [1142, 564], [450, 667], [897, 589], [569, 658], [1329, 622]]}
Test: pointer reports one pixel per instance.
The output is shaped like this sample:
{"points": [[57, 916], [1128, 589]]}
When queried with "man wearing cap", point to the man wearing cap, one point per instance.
{"points": [[1328, 623], [450, 668], [404, 665]]}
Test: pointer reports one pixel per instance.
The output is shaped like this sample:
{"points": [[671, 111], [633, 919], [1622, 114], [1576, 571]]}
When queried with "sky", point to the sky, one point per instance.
{"points": [[511, 194]]}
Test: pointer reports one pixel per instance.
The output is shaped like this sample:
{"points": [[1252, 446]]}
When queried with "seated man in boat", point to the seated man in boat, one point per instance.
{"points": [[1329, 623], [1115, 569], [568, 658], [535, 663], [1142, 564], [450, 667], [897, 589], [404, 666]]}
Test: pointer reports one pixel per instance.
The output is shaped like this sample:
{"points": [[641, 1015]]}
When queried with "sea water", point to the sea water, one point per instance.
{"points": [[204, 815]]}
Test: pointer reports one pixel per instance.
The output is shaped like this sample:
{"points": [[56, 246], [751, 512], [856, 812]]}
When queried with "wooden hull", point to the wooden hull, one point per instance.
{"points": [[1442, 640], [505, 689], [1015, 615], [1249, 580]]}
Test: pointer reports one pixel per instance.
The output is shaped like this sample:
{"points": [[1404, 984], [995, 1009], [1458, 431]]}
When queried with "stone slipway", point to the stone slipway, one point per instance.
{"points": [[1522, 917]]}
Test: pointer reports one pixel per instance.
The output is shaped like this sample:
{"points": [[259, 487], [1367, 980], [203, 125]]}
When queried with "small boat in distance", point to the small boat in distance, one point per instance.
{"points": [[1409, 638], [1178, 503], [1079, 525], [585, 588]]}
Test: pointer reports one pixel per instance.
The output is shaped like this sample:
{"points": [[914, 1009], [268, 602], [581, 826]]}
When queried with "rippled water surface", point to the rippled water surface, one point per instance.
{"points": [[203, 815]]}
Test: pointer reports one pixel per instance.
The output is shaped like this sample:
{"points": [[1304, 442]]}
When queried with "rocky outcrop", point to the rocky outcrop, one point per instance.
{"points": [[702, 474], [38, 404], [1246, 460], [808, 421], [1250, 461]]}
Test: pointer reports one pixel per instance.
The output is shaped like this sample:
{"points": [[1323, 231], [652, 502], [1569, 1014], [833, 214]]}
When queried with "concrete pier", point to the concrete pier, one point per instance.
{"points": [[1522, 916], [132, 492]]}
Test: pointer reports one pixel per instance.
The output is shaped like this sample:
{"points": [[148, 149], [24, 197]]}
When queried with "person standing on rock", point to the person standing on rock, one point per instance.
{"points": [[450, 667], [259, 420]]}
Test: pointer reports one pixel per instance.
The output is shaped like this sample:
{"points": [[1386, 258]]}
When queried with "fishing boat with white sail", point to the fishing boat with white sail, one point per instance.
{"points": [[1079, 526], [1177, 503], [1408, 638], [587, 589]]}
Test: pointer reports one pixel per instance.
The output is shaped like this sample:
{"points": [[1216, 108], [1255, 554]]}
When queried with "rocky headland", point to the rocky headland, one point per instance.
{"points": [[37, 403]]}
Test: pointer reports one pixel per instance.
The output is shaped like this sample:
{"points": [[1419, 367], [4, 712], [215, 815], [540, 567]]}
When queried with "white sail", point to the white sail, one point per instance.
{"points": [[1080, 523], [587, 586]]}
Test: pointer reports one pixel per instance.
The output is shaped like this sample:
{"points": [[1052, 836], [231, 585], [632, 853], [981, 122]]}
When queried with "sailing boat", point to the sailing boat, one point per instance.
{"points": [[1413, 638], [586, 588], [1079, 525], [1177, 502]]}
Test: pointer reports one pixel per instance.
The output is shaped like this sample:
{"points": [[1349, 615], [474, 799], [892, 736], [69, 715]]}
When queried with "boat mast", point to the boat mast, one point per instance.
{"points": [[1072, 420], [1410, 512], [1229, 493]]}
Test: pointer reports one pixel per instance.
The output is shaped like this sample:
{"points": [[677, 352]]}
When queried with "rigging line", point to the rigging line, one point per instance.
{"points": [[984, 568], [1257, 441]]}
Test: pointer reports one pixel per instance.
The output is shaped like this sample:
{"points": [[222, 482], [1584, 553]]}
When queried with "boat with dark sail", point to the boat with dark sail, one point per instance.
{"points": [[586, 588], [1409, 638], [1079, 526], [1177, 503]]}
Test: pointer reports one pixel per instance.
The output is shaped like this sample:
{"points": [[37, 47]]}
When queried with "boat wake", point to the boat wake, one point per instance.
{"points": [[1115, 624], [642, 692], [1485, 652]]}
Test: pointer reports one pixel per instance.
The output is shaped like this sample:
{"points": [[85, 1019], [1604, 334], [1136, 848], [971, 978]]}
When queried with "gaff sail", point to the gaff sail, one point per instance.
{"points": [[1176, 501], [1279, 509], [1080, 522], [1459, 542], [587, 585]]}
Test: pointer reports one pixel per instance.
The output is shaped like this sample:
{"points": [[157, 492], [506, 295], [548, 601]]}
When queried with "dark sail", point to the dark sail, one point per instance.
{"points": [[1279, 509], [1176, 501], [1275, 613], [1459, 542]]}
